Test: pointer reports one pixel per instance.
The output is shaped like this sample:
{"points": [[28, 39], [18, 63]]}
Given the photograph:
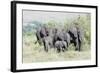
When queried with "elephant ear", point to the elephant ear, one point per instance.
{"points": [[73, 30]]}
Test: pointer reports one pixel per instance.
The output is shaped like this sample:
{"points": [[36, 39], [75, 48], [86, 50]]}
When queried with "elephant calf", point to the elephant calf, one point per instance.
{"points": [[61, 46]]}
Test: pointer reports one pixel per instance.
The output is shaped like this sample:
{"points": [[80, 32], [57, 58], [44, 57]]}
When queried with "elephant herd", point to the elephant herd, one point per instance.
{"points": [[60, 39]]}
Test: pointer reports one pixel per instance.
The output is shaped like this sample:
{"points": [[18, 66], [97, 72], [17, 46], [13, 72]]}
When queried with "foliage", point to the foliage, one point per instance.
{"points": [[35, 53]]}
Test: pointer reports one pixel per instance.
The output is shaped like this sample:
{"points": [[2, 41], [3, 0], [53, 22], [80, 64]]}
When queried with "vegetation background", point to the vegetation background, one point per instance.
{"points": [[35, 53]]}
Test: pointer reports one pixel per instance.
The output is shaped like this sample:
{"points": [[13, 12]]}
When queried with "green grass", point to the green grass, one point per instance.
{"points": [[35, 53]]}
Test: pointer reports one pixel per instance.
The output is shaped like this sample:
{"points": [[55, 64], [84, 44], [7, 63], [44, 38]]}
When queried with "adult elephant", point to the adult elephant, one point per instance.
{"points": [[48, 40], [41, 33], [76, 35], [61, 35], [45, 36]]}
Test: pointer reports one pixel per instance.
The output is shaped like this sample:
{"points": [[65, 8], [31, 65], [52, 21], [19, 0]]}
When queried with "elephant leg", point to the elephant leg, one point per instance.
{"points": [[51, 45], [58, 50], [39, 41], [66, 46], [80, 45], [68, 42], [45, 46], [76, 43], [63, 49]]}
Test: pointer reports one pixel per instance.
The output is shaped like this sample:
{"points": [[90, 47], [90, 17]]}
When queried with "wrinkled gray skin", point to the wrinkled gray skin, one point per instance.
{"points": [[50, 36], [67, 38], [55, 35], [76, 35], [45, 35], [47, 42], [61, 35], [60, 46], [41, 33]]}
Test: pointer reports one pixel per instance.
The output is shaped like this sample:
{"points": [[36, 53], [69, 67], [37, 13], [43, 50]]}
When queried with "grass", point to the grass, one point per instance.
{"points": [[35, 53]]}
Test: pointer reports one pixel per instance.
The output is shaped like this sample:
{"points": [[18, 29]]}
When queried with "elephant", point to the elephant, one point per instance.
{"points": [[67, 38], [76, 36], [60, 38], [48, 43], [45, 36], [62, 35], [60, 46], [41, 33]]}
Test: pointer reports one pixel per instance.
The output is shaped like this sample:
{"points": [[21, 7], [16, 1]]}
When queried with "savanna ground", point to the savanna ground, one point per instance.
{"points": [[35, 53]]}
